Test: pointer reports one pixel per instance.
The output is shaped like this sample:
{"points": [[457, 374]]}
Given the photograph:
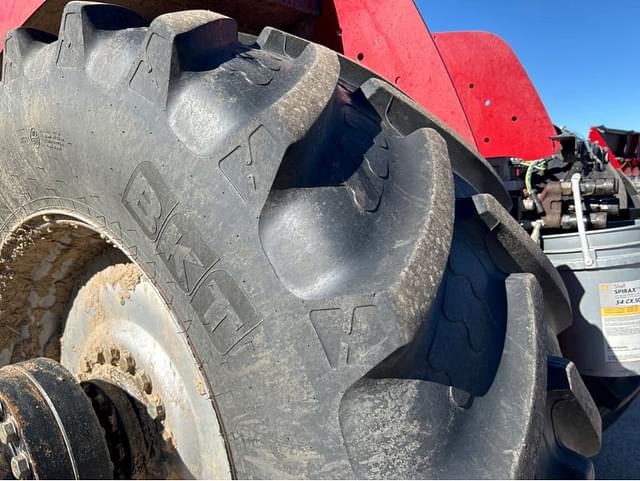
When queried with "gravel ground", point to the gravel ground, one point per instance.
{"points": [[620, 455]]}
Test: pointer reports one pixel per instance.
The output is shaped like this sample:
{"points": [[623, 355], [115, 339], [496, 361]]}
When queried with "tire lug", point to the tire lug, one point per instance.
{"points": [[8, 432], [20, 466], [461, 398]]}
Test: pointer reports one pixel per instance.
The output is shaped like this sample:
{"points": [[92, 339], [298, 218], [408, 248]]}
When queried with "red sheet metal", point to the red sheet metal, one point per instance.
{"points": [[596, 137], [504, 110], [14, 13], [623, 148], [390, 37]]}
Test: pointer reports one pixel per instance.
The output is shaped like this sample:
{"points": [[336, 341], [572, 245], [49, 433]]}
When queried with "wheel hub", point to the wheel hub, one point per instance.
{"points": [[49, 428], [122, 350], [119, 334]]}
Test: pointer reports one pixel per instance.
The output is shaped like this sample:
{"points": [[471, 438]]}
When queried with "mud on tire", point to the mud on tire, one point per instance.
{"points": [[360, 302]]}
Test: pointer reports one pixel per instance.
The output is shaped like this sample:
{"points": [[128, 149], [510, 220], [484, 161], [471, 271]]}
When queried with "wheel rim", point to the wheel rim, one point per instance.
{"points": [[119, 338]]}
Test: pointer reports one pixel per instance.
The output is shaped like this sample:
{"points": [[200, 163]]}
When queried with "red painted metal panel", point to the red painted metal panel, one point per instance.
{"points": [[504, 110], [390, 37], [623, 148], [14, 13], [596, 137]]}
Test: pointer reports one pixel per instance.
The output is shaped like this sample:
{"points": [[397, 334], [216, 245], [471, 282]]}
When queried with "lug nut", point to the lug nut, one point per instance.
{"points": [[113, 422], [112, 355], [120, 452], [8, 432], [100, 401], [20, 466], [127, 363], [100, 355], [86, 364], [144, 382], [156, 410]]}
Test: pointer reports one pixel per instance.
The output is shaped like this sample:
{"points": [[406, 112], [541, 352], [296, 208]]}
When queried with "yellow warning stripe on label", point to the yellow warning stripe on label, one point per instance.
{"points": [[620, 311]]}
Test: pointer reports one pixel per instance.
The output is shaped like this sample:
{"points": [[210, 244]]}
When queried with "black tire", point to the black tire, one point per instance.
{"points": [[297, 214]]}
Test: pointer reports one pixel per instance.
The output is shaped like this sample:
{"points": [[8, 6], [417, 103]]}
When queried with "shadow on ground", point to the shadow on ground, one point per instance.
{"points": [[620, 455]]}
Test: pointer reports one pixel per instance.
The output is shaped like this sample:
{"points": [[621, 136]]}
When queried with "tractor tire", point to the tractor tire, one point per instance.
{"points": [[359, 301]]}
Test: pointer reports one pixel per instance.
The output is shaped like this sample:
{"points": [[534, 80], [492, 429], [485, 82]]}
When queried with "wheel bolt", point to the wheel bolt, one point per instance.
{"points": [[156, 410], [100, 355], [20, 466], [127, 363], [8, 432], [112, 355], [113, 422], [87, 364], [144, 382], [100, 400], [121, 453]]}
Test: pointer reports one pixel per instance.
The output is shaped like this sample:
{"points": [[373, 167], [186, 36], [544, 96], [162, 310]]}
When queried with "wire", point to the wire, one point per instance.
{"points": [[532, 165], [535, 165]]}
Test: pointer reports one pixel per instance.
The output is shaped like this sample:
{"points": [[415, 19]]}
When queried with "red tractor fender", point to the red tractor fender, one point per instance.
{"points": [[391, 38], [14, 13], [472, 81], [506, 114]]}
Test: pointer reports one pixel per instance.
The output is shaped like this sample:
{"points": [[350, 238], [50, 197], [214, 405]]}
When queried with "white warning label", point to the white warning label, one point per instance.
{"points": [[620, 311]]}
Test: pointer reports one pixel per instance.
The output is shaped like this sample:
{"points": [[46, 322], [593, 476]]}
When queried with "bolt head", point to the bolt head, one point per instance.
{"points": [[20, 466], [112, 355], [113, 423], [86, 364], [8, 432], [100, 358], [144, 382], [156, 411], [120, 452], [100, 401], [127, 363]]}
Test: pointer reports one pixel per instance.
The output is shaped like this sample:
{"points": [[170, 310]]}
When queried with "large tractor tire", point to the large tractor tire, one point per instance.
{"points": [[292, 268]]}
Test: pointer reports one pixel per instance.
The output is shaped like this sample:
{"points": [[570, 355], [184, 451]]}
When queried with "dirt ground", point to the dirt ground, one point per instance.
{"points": [[620, 456]]}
